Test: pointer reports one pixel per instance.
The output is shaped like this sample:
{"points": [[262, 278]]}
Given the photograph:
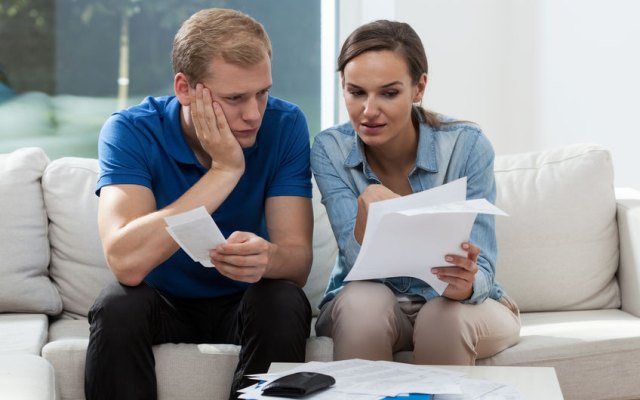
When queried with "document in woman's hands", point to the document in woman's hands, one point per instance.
{"points": [[407, 236]]}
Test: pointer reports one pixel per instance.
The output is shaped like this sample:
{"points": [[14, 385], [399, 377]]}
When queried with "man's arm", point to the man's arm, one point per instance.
{"points": [[290, 226], [247, 257], [133, 233]]}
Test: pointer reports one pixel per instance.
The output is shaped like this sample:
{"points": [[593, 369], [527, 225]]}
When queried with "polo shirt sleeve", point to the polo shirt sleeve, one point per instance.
{"points": [[122, 157], [293, 173]]}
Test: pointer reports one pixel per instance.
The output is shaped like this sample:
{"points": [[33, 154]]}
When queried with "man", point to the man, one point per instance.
{"points": [[223, 143]]}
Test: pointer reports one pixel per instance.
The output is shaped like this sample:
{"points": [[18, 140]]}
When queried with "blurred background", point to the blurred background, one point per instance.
{"points": [[534, 74], [66, 65]]}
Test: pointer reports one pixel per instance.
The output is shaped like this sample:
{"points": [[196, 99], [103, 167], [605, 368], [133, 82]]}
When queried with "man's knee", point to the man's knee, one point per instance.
{"points": [[120, 305], [277, 299]]}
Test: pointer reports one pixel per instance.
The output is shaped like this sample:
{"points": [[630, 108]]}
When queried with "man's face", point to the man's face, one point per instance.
{"points": [[242, 92]]}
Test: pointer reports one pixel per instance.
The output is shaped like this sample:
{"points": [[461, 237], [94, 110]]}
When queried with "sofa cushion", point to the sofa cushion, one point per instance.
{"points": [[22, 333], [24, 246], [78, 267], [558, 249], [175, 363], [578, 344], [26, 377]]}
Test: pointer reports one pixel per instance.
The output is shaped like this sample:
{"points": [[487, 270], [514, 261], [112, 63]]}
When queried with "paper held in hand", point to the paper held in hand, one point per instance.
{"points": [[196, 232], [409, 235]]}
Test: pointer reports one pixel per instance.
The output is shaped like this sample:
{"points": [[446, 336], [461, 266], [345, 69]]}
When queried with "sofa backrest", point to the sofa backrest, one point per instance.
{"points": [[558, 249], [24, 246], [78, 267]]}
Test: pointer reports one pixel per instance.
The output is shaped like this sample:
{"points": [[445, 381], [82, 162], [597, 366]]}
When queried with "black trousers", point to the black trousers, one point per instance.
{"points": [[271, 320]]}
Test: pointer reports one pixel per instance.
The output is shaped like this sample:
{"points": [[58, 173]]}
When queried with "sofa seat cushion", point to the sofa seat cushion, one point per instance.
{"points": [[22, 333], [24, 246], [578, 344], [602, 343], [567, 335], [558, 249], [175, 363], [26, 377]]}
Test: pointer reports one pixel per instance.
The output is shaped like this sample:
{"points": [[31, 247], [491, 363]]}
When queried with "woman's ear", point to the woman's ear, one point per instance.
{"points": [[421, 86], [182, 89]]}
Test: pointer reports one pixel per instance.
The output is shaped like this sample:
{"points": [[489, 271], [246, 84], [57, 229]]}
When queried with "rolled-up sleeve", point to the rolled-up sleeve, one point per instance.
{"points": [[481, 184], [340, 199]]}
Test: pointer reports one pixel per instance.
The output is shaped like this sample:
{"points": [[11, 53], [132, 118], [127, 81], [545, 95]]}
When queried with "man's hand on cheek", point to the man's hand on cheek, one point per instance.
{"points": [[245, 257], [213, 132]]}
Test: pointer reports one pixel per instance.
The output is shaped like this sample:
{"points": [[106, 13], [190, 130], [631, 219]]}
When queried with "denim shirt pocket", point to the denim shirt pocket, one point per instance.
{"points": [[399, 285]]}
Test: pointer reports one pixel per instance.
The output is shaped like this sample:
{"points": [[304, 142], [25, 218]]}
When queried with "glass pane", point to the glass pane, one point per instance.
{"points": [[60, 62]]}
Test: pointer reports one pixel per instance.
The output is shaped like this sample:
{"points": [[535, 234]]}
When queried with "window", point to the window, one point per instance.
{"points": [[65, 63]]}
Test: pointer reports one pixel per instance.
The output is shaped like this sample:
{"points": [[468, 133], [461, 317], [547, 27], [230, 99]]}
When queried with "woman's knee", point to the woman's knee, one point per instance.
{"points": [[442, 322], [367, 306]]}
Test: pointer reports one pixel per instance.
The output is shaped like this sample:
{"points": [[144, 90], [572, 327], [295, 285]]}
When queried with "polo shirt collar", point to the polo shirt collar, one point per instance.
{"points": [[176, 143]]}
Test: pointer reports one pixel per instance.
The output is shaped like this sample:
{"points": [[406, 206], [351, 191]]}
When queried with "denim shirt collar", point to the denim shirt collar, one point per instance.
{"points": [[426, 157]]}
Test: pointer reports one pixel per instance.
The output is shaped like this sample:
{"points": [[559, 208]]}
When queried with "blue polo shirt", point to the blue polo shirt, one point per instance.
{"points": [[144, 145]]}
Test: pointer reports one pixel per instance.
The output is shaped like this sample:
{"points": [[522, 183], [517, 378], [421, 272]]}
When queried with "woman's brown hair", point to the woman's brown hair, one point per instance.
{"points": [[398, 37]]}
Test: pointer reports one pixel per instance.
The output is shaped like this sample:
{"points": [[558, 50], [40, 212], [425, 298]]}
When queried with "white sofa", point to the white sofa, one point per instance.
{"points": [[569, 254]]}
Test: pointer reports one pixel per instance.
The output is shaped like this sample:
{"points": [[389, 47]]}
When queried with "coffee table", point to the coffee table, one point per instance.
{"points": [[534, 383]]}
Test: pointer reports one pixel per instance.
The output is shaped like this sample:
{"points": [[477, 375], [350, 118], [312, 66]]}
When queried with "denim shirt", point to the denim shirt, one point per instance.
{"points": [[453, 151]]}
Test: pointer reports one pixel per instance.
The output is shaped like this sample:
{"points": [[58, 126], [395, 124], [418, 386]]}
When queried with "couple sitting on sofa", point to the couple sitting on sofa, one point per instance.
{"points": [[223, 143]]}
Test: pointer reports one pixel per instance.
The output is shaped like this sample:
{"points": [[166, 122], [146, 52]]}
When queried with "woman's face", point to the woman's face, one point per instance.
{"points": [[378, 93]]}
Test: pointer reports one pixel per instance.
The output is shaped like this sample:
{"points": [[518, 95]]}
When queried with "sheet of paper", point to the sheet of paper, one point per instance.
{"points": [[450, 192], [196, 233], [376, 378], [409, 237]]}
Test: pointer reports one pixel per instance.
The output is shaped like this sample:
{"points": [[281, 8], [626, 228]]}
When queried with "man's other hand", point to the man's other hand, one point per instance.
{"points": [[245, 257]]}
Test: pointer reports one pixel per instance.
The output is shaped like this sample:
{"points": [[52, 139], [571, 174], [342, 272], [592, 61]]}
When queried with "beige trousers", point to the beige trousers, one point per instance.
{"points": [[366, 321]]}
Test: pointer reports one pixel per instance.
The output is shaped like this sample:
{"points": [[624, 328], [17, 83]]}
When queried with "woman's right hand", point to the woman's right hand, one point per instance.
{"points": [[214, 133], [370, 194]]}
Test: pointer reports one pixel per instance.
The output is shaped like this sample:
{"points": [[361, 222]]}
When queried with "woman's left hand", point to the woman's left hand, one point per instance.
{"points": [[461, 277]]}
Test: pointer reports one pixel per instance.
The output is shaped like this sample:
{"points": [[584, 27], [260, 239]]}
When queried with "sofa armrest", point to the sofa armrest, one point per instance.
{"points": [[628, 214]]}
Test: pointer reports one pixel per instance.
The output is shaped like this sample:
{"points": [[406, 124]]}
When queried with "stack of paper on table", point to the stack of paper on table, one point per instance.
{"points": [[369, 380], [409, 235]]}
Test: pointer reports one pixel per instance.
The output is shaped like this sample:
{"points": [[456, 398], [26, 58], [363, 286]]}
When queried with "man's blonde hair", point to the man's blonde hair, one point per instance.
{"points": [[231, 35]]}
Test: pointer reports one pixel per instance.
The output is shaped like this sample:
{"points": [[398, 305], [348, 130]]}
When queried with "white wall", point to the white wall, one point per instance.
{"points": [[534, 74]]}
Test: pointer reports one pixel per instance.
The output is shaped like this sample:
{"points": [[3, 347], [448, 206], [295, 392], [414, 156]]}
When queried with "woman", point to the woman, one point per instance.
{"points": [[393, 147]]}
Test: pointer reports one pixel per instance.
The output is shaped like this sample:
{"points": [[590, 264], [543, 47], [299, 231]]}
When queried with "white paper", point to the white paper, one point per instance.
{"points": [[196, 233], [362, 379], [371, 380], [409, 235]]}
